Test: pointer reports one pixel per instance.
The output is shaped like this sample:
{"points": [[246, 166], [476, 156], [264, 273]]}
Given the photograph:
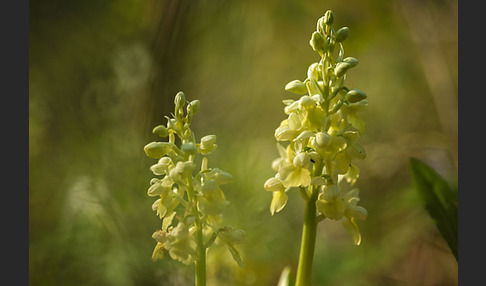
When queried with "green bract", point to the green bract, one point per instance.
{"points": [[189, 200], [318, 140]]}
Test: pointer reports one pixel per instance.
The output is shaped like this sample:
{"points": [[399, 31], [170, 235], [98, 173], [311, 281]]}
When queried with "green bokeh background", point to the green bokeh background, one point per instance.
{"points": [[102, 74]]}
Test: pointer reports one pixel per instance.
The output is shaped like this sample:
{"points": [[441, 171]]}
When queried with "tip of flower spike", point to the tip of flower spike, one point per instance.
{"points": [[195, 105], [328, 17], [180, 99]]}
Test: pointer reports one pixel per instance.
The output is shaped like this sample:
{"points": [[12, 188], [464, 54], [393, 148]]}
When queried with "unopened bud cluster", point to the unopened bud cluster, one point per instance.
{"points": [[189, 197], [318, 141]]}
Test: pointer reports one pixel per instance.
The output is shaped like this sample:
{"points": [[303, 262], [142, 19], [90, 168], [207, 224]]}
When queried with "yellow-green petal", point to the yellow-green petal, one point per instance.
{"points": [[284, 133], [359, 212], [158, 252], [352, 175], [279, 201], [331, 209], [298, 177], [156, 190], [353, 229]]}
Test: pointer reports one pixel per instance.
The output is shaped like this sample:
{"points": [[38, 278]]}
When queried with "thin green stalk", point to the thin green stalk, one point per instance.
{"points": [[304, 269], [200, 263]]}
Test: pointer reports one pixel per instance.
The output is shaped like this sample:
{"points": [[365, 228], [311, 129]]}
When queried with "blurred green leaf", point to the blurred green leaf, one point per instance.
{"points": [[439, 200]]}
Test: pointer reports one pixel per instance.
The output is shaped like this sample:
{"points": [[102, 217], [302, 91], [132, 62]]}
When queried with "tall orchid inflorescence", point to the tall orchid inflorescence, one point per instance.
{"points": [[319, 140], [189, 201]]}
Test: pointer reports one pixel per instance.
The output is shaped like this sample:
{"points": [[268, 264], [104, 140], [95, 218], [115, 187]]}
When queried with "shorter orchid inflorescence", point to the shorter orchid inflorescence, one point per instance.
{"points": [[318, 141], [190, 201]]}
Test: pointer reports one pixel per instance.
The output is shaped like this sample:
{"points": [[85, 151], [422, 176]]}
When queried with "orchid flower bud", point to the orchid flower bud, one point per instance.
{"points": [[317, 42], [351, 61], [296, 86], [161, 130], [195, 105], [328, 17], [355, 95], [179, 100], [157, 150], [189, 147], [342, 34], [322, 139], [302, 160]]}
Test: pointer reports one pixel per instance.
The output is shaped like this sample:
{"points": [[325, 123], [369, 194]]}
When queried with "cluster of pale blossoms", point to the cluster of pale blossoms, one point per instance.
{"points": [[188, 200], [319, 140]]}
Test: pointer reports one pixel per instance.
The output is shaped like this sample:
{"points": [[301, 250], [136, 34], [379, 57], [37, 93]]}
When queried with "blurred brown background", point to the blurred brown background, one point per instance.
{"points": [[102, 74]]}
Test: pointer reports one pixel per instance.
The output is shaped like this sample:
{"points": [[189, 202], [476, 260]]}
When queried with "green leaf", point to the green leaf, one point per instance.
{"points": [[439, 200]]}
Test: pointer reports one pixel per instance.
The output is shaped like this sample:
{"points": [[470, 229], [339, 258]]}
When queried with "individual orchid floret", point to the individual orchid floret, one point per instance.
{"points": [[208, 144], [352, 213], [279, 197], [177, 241]]}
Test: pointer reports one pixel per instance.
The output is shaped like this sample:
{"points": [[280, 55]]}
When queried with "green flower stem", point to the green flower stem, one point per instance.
{"points": [[304, 269], [200, 263]]}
